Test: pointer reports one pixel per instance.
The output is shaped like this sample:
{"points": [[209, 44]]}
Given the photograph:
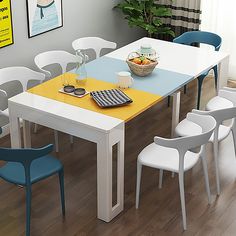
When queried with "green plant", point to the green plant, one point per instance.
{"points": [[147, 15]]}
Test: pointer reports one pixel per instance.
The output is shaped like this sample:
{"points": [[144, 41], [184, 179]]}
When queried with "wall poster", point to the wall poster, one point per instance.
{"points": [[6, 29], [43, 16]]}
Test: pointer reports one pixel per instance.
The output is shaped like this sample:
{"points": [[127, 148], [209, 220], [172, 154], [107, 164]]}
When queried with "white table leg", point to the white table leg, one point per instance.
{"points": [[26, 134], [120, 179], [175, 112], [15, 132], [175, 116], [106, 211], [223, 71]]}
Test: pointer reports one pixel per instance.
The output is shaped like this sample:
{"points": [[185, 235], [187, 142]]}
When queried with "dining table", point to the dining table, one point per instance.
{"points": [[82, 117]]}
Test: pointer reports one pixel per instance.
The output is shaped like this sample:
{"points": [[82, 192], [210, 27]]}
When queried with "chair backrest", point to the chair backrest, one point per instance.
{"points": [[61, 58], [24, 156], [228, 93], [183, 144], [191, 37], [219, 115], [95, 43], [222, 114], [21, 74]]}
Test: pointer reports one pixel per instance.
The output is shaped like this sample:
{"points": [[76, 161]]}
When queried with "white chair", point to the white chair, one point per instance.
{"points": [[21, 74], [95, 43], [186, 127], [219, 102], [61, 58], [175, 155]]}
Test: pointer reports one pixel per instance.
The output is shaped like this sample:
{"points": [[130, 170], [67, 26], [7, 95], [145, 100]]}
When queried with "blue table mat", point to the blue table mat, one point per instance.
{"points": [[160, 82]]}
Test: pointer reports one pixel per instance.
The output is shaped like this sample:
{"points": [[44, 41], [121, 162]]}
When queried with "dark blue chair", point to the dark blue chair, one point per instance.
{"points": [[195, 37], [28, 166]]}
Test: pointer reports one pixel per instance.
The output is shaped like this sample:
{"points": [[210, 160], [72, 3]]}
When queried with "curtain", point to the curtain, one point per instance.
{"points": [[185, 15], [219, 16]]}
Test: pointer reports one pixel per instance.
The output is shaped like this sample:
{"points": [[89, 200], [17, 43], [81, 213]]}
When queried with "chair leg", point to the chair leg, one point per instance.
{"points": [[28, 209], [216, 160], [56, 140], [215, 69], [139, 175], [168, 101], [160, 178], [61, 181], [234, 138], [204, 165], [185, 89], [199, 92], [71, 139], [182, 199]]}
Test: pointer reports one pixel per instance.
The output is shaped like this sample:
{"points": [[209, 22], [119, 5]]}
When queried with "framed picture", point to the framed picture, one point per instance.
{"points": [[6, 29], [43, 16]]}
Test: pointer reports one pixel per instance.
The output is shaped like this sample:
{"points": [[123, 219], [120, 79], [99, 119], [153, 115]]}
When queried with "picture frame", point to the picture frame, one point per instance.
{"points": [[43, 16], [6, 29]]}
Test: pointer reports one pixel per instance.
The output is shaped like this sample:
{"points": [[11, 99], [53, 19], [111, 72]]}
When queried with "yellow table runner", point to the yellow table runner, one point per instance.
{"points": [[141, 100]]}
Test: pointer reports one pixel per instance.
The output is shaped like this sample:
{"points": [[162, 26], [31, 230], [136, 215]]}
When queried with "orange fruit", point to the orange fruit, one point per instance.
{"points": [[137, 60], [146, 62]]}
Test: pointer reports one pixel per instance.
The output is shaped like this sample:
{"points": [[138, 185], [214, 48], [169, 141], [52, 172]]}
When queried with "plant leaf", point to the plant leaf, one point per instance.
{"points": [[161, 11], [145, 14]]}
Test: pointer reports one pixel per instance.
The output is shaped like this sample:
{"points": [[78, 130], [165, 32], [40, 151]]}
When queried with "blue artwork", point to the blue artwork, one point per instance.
{"points": [[44, 16]]}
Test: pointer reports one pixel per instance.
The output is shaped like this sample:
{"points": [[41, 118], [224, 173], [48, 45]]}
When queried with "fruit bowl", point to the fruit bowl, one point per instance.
{"points": [[140, 65]]}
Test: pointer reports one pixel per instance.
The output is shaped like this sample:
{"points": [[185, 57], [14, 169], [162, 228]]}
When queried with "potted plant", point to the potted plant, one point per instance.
{"points": [[147, 15]]}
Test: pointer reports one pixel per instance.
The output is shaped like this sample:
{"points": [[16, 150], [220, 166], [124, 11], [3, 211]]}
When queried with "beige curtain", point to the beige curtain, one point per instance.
{"points": [[218, 16], [185, 15]]}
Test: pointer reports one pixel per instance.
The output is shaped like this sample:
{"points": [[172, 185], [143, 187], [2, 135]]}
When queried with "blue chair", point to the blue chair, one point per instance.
{"points": [[195, 37], [28, 166]]}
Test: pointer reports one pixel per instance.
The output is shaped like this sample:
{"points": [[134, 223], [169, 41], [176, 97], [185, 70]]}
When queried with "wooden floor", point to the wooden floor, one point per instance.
{"points": [[159, 212]]}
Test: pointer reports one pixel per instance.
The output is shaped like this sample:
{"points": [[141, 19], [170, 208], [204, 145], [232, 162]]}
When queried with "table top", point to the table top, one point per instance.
{"points": [[66, 111], [175, 57], [178, 65]]}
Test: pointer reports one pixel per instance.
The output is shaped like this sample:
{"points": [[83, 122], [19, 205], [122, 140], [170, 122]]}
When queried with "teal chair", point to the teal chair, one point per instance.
{"points": [[28, 166], [195, 37]]}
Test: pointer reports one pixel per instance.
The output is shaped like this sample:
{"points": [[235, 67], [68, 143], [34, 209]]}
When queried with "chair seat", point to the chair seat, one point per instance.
{"points": [[164, 158], [217, 103], [40, 168], [188, 128]]}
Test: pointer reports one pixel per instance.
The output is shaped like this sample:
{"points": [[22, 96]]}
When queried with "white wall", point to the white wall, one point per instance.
{"points": [[81, 18]]}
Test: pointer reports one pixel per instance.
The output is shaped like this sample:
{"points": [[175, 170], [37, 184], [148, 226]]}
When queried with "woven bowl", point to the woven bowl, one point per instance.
{"points": [[141, 70]]}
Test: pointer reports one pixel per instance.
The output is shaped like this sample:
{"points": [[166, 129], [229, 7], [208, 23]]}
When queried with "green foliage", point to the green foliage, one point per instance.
{"points": [[146, 14]]}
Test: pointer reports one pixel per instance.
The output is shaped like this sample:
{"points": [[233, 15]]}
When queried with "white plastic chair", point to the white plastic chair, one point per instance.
{"points": [[95, 43], [175, 155], [21, 74], [61, 58], [185, 127], [219, 102]]}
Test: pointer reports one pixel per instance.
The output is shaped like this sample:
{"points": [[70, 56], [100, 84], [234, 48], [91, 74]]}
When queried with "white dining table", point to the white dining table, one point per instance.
{"points": [[176, 61], [180, 58]]}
